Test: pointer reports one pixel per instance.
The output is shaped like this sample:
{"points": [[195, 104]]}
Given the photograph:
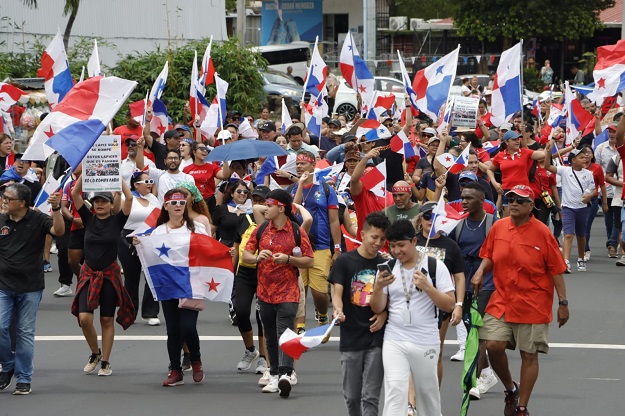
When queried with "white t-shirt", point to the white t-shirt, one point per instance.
{"points": [[166, 181], [128, 166], [184, 163], [571, 191], [423, 329], [162, 229], [138, 213]]}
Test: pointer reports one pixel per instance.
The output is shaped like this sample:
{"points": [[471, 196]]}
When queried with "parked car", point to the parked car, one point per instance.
{"points": [[277, 85], [346, 102]]}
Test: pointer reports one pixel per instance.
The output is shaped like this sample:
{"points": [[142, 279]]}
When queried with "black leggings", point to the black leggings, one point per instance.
{"points": [[132, 278], [62, 242], [181, 327], [246, 283], [108, 299]]}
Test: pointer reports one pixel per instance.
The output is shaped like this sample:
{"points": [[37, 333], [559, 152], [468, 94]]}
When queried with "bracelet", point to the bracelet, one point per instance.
{"points": [[288, 259], [413, 185], [338, 247], [459, 303], [56, 209], [256, 259]]}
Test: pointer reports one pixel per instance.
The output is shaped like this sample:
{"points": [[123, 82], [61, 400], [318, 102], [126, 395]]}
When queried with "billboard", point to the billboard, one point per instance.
{"points": [[286, 21]]}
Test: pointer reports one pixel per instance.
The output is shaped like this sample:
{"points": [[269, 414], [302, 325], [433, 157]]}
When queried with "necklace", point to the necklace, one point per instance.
{"points": [[466, 223], [308, 193]]}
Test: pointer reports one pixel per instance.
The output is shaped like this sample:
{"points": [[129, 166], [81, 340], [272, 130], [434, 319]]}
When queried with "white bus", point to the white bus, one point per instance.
{"points": [[295, 54]]}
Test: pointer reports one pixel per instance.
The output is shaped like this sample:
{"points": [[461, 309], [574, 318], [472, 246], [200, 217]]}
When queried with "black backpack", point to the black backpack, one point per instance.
{"points": [[431, 273]]}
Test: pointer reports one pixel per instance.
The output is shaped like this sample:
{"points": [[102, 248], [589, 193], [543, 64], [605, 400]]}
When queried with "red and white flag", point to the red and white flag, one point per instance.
{"points": [[9, 95], [295, 345], [375, 180]]}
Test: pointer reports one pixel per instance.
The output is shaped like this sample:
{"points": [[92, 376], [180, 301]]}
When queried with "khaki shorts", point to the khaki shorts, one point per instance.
{"points": [[530, 338], [301, 306], [317, 277]]}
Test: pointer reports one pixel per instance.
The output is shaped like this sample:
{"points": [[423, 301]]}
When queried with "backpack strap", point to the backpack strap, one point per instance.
{"points": [[297, 235], [432, 273], [490, 219], [459, 228]]}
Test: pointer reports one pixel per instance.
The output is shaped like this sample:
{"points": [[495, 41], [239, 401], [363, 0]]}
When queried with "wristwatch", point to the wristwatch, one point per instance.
{"points": [[564, 302]]}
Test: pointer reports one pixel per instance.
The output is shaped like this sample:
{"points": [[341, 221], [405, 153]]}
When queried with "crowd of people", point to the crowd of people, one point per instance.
{"points": [[374, 263]]}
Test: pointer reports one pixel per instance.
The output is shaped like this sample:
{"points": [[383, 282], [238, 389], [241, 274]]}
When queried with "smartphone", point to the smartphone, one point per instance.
{"points": [[384, 267]]}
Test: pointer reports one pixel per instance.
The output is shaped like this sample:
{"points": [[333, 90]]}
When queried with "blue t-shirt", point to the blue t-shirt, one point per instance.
{"points": [[470, 243], [315, 201]]}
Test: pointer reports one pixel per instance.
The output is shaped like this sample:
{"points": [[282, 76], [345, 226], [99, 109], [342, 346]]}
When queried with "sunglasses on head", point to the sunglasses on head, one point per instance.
{"points": [[176, 202], [146, 182], [243, 191], [518, 199]]}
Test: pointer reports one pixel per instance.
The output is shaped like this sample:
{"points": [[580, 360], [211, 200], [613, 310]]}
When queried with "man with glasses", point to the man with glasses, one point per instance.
{"points": [[22, 237], [520, 309], [165, 179], [129, 165], [172, 141]]}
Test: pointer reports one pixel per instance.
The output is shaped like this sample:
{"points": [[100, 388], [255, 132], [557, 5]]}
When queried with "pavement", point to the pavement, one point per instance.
{"points": [[582, 374]]}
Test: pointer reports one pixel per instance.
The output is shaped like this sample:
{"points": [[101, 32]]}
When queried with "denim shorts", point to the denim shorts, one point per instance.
{"points": [[574, 221]]}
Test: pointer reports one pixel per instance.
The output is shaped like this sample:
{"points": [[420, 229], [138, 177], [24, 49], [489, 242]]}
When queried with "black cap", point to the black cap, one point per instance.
{"points": [[18, 156], [261, 191], [267, 125], [104, 195], [428, 207], [231, 125], [172, 134], [348, 137], [336, 122]]}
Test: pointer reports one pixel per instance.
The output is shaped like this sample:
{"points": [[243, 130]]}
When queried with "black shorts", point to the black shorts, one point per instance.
{"points": [[76, 239], [108, 299]]}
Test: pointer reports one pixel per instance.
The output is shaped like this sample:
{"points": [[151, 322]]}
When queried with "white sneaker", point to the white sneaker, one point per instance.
{"points": [[64, 291], [581, 265], [487, 382], [249, 358], [105, 369], [152, 321], [54, 249], [293, 378], [621, 261], [459, 356], [261, 366], [264, 380], [284, 385], [474, 393], [272, 386], [568, 267], [587, 256]]}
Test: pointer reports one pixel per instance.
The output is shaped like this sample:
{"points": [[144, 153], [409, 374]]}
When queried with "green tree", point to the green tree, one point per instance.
{"points": [[239, 67], [422, 9], [512, 19], [70, 8]]}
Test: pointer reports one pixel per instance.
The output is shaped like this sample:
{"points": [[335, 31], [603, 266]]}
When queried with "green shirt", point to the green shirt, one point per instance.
{"points": [[393, 213]]}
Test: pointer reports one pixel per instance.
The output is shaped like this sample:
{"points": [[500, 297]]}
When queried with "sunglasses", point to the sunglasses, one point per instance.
{"points": [[177, 202], [242, 191], [518, 199], [427, 216], [387, 125], [427, 135], [202, 149], [146, 182]]}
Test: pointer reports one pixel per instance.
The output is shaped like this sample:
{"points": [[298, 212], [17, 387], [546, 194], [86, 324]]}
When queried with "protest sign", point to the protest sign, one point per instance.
{"points": [[100, 166], [465, 112]]}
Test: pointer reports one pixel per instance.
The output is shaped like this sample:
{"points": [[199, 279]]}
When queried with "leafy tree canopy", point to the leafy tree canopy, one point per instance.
{"points": [[422, 9], [513, 19]]}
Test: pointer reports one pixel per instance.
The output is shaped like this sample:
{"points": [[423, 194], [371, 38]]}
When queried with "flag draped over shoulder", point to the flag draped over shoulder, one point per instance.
{"points": [[193, 266]]}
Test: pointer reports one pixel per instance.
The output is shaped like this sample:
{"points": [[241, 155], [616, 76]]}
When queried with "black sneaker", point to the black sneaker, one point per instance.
{"points": [[511, 401], [22, 389], [5, 379]]}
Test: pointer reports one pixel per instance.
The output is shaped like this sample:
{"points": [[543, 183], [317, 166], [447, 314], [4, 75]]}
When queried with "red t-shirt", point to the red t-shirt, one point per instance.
{"points": [[525, 259], [67, 196], [204, 176], [597, 175], [514, 168], [543, 181], [482, 155], [365, 203], [277, 283]]}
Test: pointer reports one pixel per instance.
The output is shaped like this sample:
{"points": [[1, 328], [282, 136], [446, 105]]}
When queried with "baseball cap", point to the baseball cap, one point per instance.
{"points": [[612, 126], [341, 132], [348, 137], [231, 125], [261, 191], [506, 126], [224, 135], [573, 153], [172, 134], [428, 207], [521, 190], [132, 138], [510, 135], [183, 127], [300, 125], [335, 122], [104, 195], [429, 130], [352, 154], [467, 174], [267, 125], [433, 139]]}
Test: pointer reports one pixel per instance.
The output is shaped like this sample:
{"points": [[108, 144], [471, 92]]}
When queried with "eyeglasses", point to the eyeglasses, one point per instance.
{"points": [[427, 216], [177, 202], [131, 144], [8, 198], [427, 135], [242, 191], [518, 199], [203, 149], [259, 201], [146, 182], [172, 158]]}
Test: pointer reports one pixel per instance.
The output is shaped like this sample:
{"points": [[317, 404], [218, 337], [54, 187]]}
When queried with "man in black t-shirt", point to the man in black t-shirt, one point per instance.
{"points": [[353, 276]]}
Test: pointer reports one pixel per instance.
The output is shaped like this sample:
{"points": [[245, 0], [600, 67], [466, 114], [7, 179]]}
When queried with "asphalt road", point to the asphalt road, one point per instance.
{"points": [[582, 375]]}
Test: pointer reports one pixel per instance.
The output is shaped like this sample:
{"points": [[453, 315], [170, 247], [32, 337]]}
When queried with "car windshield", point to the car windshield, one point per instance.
{"points": [[278, 78]]}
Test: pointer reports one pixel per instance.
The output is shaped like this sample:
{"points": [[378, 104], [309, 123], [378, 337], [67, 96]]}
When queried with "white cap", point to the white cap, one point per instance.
{"points": [[224, 135]]}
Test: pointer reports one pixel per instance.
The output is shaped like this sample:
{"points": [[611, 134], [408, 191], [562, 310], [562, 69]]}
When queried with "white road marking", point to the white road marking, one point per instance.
{"points": [[42, 338]]}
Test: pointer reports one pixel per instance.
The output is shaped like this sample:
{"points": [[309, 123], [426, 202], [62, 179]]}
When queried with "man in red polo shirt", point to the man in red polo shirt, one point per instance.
{"points": [[527, 265], [365, 201]]}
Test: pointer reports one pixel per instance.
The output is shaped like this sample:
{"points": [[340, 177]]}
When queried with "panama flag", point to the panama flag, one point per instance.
{"points": [[445, 118], [491, 146], [246, 131], [286, 117], [76, 123], [375, 180], [159, 83], [401, 144], [295, 345], [609, 71], [445, 218], [355, 70], [506, 97], [316, 110], [9, 95], [372, 130], [461, 162], [315, 82], [380, 104], [446, 159], [577, 118], [49, 187], [6, 127], [407, 84], [149, 224], [93, 66], [327, 173], [192, 266], [159, 123], [432, 84], [215, 113], [207, 71], [55, 71]]}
